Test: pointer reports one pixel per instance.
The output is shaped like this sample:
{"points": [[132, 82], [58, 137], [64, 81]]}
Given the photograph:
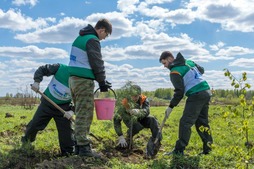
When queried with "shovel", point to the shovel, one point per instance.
{"points": [[54, 104], [131, 128], [61, 110], [152, 148]]}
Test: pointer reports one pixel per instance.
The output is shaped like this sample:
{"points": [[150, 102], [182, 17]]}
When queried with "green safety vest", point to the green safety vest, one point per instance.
{"points": [[79, 64], [58, 89], [193, 80]]}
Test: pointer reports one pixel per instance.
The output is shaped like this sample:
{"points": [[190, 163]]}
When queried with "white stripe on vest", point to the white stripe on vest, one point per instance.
{"points": [[192, 78], [58, 90], [79, 58]]}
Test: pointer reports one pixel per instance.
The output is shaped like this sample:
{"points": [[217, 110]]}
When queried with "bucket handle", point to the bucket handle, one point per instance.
{"points": [[109, 89]]}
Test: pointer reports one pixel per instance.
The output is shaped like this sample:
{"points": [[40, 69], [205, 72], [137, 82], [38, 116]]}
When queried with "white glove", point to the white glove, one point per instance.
{"points": [[121, 141], [168, 111], [35, 86], [68, 114], [134, 111]]}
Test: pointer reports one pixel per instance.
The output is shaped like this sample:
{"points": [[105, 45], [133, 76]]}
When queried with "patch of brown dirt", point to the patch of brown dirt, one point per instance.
{"points": [[27, 157], [78, 162], [75, 162]]}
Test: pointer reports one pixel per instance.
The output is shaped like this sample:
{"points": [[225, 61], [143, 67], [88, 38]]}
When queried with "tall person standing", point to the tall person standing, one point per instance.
{"points": [[186, 77], [85, 66]]}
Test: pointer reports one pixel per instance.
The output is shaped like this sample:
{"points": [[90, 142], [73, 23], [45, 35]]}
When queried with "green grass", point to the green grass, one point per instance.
{"points": [[227, 149]]}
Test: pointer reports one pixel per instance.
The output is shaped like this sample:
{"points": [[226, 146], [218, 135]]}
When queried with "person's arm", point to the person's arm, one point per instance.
{"points": [[95, 59], [45, 70], [178, 84], [117, 124], [142, 112]]}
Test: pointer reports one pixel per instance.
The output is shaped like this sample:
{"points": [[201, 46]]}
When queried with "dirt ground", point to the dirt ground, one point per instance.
{"points": [[88, 162], [25, 158]]}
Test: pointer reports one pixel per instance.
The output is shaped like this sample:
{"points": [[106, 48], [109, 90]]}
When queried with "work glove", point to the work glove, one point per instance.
{"points": [[35, 86], [104, 86], [134, 111], [167, 112], [68, 114], [122, 142]]}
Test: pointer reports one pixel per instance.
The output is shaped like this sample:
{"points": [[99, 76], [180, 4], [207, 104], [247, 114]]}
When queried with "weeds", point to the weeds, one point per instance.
{"points": [[229, 149]]}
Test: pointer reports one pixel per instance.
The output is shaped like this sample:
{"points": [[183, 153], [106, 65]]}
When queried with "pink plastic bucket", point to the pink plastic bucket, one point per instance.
{"points": [[104, 108]]}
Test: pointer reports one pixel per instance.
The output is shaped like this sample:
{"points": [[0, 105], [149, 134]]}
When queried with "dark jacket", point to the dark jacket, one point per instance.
{"points": [[45, 70]]}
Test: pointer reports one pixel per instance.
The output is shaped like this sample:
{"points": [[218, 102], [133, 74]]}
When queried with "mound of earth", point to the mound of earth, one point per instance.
{"points": [[77, 162]]}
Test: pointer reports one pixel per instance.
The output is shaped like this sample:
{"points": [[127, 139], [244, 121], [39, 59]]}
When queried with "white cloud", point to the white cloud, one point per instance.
{"points": [[24, 2], [243, 62], [234, 51], [217, 46], [127, 7], [232, 15], [136, 38], [67, 29], [20, 74], [33, 52], [158, 1], [16, 21], [154, 11], [63, 32]]}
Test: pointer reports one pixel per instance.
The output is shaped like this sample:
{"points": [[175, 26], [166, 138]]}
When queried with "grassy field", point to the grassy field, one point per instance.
{"points": [[229, 149]]}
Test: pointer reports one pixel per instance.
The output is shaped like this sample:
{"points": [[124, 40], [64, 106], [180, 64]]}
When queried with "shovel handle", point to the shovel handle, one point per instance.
{"points": [[53, 103], [162, 124]]}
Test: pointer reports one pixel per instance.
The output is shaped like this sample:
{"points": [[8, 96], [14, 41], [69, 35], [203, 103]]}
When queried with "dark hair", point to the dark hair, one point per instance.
{"points": [[165, 55], [104, 23]]}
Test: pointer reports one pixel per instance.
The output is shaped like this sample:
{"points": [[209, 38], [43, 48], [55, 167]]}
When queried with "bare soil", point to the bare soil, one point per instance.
{"points": [[26, 156], [29, 158]]}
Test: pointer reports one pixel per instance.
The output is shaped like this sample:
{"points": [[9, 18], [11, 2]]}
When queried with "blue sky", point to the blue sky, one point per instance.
{"points": [[215, 34]]}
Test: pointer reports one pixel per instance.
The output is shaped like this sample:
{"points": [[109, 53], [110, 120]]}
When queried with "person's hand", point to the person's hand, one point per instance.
{"points": [[104, 86], [68, 114], [134, 111], [168, 111], [35, 86], [122, 142]]}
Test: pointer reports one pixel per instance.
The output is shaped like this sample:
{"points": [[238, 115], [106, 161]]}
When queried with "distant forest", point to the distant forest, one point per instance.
{"points": [[160, 97]]}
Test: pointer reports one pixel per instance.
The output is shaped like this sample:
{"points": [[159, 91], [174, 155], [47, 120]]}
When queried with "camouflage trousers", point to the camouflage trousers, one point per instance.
{"points": [[83, 99]]}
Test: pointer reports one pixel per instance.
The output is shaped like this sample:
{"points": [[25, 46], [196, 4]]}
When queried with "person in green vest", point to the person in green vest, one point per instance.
{"points": [[86, 66], [186, 77], [58, 91]]}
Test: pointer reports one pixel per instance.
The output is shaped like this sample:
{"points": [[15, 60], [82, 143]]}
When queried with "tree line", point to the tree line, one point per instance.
{"points": [[159, 97]]}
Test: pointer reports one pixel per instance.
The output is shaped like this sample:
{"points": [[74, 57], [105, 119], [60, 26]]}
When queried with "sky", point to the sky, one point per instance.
{"points": [[215, 34]]}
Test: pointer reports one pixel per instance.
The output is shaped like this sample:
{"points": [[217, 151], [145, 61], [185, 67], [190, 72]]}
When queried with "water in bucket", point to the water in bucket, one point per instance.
{"points": [[104, 108]]}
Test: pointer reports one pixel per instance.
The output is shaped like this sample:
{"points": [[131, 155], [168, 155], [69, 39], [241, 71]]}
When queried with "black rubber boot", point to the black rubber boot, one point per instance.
{"points": [[206, 148], [175, 152], [86, 150], [76, 150]]}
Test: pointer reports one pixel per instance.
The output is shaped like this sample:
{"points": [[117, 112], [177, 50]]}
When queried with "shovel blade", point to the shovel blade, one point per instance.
{"points": [[152, 147]]}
